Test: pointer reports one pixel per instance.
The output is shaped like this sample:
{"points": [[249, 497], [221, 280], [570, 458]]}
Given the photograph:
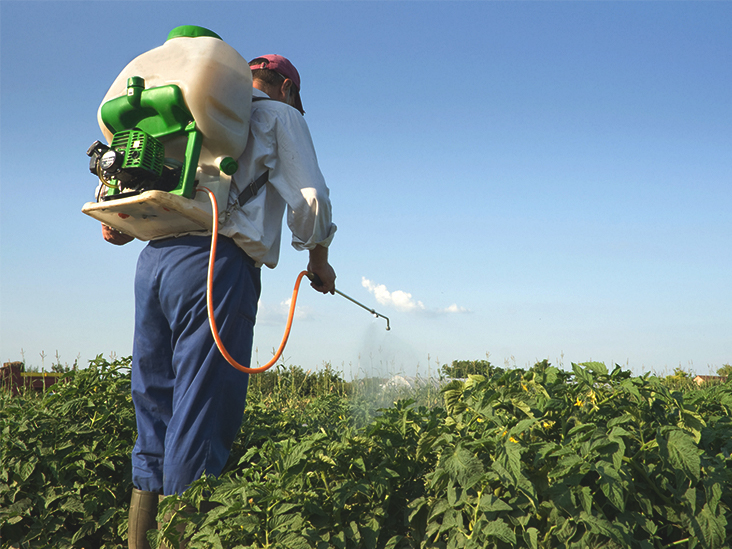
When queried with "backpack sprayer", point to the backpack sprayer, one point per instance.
{"points": [[175, 120]]}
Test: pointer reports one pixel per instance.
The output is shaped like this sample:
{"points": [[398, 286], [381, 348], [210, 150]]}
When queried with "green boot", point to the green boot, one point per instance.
{"points": [[143, 510]]}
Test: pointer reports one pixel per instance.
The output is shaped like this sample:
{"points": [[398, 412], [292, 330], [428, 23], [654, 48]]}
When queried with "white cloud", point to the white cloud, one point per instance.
{"points": [[301, 312], [403, 301], [455, 309], [276, 315]]}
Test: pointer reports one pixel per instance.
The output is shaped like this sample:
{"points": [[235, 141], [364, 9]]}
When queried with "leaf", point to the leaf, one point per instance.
{"points": [[531, 537], [611, 485], [492, 504], [619, 420], [462, 464], [603, 527], [620, 450], [454, 494], [597, 368], [681, 451], [714, 495], [521, 405], [27, 468], [425, 444], [587, 428], [565, 466], [692, 422], [393, 542], [582, 375], [510, 459], [522, 426], [452, 394], [585, 496], [73, 505], [500, 530], [451, 519], [370, 532], [86, 528], [710, 527], [690, 497]]}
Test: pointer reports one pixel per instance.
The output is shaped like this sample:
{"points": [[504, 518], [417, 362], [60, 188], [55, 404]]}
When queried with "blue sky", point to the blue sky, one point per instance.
{"points": [[526, 180]]}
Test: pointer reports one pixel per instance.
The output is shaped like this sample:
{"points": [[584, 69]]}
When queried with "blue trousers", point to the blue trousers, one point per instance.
{"points": [[189, 402]]}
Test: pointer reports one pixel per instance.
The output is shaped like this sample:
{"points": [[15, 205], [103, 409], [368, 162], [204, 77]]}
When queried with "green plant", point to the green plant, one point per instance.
{"points": [[461, 369], [546, 458], [65, 461], [541, 458]]}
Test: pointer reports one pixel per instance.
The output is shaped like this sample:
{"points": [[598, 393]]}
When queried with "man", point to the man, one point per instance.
{"points": [[189, 401]]}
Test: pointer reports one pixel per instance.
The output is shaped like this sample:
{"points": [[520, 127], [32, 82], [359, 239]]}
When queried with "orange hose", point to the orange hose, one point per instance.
{"points": [[210, 307]]}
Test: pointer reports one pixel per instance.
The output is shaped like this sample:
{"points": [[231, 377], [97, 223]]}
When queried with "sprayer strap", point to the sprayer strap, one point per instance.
{"points": [[252, 189]]}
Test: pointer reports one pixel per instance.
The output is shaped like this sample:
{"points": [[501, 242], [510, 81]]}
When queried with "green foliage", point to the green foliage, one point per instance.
{"points": [[540, 458], [291, 386], [460, 369], [65, 461], [681, 380], [725, 370], [546, 458]]}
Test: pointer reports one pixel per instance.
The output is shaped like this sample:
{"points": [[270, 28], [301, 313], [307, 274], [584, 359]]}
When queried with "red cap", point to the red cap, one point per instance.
{"points": [[280, 65]]}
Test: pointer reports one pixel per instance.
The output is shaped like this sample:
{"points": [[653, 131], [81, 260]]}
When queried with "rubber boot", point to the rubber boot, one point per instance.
{"points": [[143, 510]]}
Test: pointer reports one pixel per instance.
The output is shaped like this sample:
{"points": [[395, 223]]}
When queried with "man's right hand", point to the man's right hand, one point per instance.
{"points": [[114, 236]]}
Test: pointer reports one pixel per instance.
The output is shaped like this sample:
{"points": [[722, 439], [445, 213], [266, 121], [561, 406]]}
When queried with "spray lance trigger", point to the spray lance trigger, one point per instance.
{"points": [[315, 279]]}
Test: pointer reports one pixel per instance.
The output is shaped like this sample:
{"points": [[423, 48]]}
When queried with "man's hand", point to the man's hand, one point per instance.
{"points": [[320, 267], [114, 236]]}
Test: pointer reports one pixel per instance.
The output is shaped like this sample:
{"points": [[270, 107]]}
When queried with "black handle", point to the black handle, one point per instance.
{"points": [[315, 279]]}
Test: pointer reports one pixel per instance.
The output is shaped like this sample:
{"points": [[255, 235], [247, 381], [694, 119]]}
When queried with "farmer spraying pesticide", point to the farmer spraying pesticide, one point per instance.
{"points": [[189, 401]]}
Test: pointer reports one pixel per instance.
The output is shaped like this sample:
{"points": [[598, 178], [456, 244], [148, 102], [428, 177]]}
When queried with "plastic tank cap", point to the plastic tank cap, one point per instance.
{"points": [[229, 166], [191, 31]]}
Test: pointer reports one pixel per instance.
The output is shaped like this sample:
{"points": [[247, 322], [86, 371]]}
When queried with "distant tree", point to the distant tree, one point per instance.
{"points": [[463, 368], [725, 370]]}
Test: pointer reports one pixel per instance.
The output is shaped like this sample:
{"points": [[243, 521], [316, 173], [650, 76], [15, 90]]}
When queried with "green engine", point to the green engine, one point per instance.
{"points": [[135, 161], [142, 121]]}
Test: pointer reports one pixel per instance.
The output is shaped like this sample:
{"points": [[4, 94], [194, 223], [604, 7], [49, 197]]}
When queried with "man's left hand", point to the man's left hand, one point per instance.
{"points": [[113, 236], [320, 267]]}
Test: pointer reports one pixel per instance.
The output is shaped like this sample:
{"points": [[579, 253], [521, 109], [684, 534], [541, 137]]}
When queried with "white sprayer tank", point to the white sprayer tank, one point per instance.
{"points": [[216, 83]]}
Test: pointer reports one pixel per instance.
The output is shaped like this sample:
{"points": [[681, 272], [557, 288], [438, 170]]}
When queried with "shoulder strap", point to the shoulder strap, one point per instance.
{"points": [[251, 190]]}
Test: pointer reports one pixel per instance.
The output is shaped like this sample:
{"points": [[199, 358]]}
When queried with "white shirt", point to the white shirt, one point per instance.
{"points": [[279, 141]]}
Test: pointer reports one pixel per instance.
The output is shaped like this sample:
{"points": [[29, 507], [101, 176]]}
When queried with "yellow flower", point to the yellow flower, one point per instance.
{"points": [[578, 403], [513, 439]]}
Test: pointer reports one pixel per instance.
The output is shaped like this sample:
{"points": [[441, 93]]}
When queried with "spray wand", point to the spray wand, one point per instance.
{"points": [[315, 279]]}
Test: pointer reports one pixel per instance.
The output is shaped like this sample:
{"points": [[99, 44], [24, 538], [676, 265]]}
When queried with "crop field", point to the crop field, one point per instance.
{"points": [[543, 457]]}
